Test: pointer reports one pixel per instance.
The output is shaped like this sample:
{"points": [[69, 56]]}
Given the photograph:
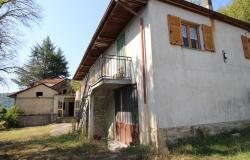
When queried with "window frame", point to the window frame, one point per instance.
{"points": [[188, 25], [39, 94]]}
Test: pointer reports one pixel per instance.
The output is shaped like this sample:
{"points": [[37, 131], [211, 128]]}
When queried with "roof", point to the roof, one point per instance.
{"points": [[13, 95], [117, 17], [52, 81]]}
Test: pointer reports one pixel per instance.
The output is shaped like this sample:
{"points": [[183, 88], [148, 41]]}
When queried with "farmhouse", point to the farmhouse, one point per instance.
{"points": [[156, 71], [45, 102]]}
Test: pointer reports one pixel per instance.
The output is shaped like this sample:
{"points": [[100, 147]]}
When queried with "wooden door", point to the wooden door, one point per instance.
{"points": [[126, 108]]}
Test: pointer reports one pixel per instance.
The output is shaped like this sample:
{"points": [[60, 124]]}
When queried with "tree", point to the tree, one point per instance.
{"points": [[45, 62], [13, 14], [239, 9], [76, 85]]}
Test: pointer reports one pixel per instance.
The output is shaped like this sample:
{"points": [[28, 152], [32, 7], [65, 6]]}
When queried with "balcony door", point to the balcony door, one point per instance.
{"points": [[121, 45], [121, 62]]}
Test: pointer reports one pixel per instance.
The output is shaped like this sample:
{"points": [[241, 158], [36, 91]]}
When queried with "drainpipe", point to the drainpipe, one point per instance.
{"points": [[145, 103]]}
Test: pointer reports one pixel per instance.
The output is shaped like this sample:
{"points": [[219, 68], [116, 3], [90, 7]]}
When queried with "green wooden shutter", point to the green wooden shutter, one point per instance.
{"points": [[121, 45]]}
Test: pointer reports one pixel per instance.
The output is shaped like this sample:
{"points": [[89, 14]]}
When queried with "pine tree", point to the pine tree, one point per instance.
{"points": [[45, 62]]}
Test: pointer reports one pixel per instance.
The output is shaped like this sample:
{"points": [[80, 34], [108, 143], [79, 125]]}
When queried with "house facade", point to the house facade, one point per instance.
{"points": [[160, 70], [45, 102]]}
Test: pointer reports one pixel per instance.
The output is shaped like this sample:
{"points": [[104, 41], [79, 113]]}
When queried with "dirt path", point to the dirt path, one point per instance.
{"points": [[61, 129]]}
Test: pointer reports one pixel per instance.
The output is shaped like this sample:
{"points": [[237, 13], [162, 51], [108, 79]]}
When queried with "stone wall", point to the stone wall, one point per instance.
{"points": [[37, 120], [172, 135], [104, 113]]}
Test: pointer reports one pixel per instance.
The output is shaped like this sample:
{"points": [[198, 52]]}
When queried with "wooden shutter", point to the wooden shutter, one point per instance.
{"points": [[246, 46], [175, 30], [208, 38]]}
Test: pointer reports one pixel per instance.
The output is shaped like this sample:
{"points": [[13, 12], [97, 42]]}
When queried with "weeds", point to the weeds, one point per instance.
{"points": [[223, 145]]}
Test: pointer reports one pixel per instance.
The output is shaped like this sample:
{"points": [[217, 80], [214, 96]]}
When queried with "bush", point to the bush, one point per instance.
{"points": [[2, 112], [11, 117]]}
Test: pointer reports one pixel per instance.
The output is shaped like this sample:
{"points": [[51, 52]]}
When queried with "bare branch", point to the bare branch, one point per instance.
{"points": [[14, 13]]}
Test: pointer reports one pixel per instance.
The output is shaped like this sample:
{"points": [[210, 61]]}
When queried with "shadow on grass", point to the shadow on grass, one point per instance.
{"points": [[66, 147], [143, 152], [62, 147], [223, 145]]}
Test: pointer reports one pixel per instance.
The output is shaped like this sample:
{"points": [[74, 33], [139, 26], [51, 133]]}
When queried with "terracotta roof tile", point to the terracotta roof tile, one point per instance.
{"points": [[51, 81]]}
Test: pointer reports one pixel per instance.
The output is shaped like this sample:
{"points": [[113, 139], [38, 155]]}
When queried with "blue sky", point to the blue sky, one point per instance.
{"points": [[70, 26]]}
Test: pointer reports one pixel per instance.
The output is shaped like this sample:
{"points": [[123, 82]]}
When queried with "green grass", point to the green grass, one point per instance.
{"points": [[224, 146], [35, 143], [22, 134]]}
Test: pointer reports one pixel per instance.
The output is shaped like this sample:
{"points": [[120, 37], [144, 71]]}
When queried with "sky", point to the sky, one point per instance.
{"points": [[70, 27]]}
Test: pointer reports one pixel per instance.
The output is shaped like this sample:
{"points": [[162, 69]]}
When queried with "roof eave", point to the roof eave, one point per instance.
{"points": [[100, 26]]}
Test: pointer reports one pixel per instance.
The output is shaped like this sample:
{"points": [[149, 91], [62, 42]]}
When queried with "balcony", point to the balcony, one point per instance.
{"points": [[110, 72]]}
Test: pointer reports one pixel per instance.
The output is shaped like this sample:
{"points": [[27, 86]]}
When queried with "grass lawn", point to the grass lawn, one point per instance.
{"points": [[36, 143], [23, 134]]}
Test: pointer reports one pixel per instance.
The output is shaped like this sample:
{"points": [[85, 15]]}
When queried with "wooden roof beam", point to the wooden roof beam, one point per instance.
{"points": [[125, 5], [92, 57], [138, 3], [106, 39], [101, 44]]}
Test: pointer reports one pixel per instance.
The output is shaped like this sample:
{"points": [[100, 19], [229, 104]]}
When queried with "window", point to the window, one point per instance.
{"points": [[190, 35], [39, 94], [187, 34]]}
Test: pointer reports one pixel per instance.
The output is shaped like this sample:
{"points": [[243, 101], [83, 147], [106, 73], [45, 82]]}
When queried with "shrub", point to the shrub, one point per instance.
{"points": [[75, 85], [11, 117], [2, 112]]}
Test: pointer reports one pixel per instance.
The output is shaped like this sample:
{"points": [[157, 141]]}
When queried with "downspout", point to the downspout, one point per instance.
{"points": [[144, 70], [145, 103]]}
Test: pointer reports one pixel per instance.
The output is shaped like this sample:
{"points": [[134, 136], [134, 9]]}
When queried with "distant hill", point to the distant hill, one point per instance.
{"points": [[6, 101]]}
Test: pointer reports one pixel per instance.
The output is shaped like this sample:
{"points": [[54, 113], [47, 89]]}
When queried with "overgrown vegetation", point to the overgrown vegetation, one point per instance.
{"points": [[234, 145], [75, 85], [2, 112], [11, 117]]}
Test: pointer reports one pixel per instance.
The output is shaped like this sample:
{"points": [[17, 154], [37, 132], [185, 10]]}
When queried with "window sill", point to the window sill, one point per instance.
{"points": [[196, 49]]}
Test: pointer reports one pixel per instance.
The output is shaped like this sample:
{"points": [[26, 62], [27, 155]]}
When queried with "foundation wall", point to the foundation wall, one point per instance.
{"points": [[169, 136], [37, 120]]}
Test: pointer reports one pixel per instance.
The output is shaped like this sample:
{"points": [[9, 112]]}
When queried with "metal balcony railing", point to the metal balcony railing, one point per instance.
{"points": [[110, 67]]}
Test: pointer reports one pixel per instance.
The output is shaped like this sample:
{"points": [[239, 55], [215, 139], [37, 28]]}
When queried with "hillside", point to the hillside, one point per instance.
{"points": [[6, 101]]}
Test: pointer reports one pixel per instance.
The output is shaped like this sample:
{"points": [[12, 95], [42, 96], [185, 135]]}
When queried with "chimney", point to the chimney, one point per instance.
{"points": [[207, 4]]}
